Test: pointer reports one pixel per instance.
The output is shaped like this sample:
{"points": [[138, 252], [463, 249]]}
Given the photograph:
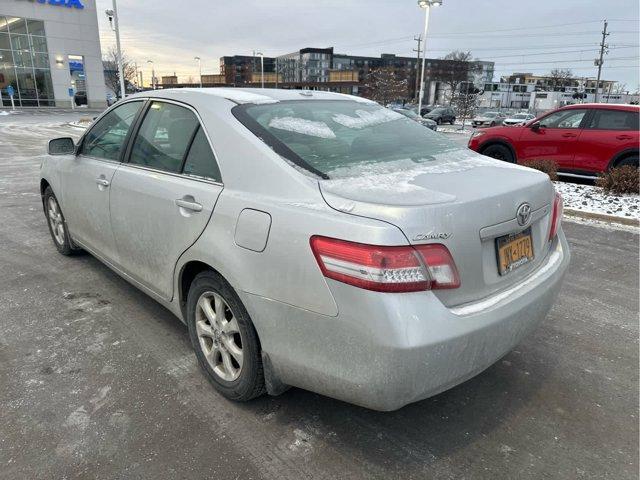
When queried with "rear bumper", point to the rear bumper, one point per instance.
{"points": [[384, 351]]}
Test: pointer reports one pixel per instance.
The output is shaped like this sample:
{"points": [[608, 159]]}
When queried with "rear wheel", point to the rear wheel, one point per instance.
{"points": [[224, 339], [631, 161], [499, 152]]}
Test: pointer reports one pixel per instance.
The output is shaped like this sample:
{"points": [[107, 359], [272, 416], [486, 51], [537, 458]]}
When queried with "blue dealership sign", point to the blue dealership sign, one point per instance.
{"points": [[62, 3], [10, 91]]}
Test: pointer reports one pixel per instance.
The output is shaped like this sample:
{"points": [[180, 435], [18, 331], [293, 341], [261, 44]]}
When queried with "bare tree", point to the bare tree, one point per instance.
{"points": [[457, 68], [619, 88], [112, 74], [385, 85], [559, 77], [466, 101]]}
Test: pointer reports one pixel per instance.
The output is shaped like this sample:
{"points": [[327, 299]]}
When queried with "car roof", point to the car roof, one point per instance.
{"points": [[248, 95], [611, 106]]}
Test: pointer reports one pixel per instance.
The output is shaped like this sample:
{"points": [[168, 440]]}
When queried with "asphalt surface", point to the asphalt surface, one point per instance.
{"points": [[99, 381]]}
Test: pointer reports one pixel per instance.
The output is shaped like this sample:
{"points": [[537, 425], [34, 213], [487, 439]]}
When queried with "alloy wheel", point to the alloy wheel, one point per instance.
{"points": [[219, 336], [55, 220]]}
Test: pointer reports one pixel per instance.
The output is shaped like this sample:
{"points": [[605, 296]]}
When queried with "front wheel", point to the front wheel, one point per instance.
{"points": [[224, 339], [57, 224], [499, 152]]}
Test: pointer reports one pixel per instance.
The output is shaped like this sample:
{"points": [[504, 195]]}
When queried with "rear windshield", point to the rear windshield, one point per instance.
{"points": [[335, 138]]}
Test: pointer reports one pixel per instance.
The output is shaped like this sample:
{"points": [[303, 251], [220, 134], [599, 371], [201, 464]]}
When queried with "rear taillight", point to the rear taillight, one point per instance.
{"points": [[556, 216], [386, 269]]}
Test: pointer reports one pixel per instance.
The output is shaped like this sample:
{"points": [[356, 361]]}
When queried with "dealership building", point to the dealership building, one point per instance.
{"points": [[50, 50]]}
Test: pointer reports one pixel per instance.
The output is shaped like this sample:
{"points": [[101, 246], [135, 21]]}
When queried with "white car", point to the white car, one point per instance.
{"points": [[518, 119]]}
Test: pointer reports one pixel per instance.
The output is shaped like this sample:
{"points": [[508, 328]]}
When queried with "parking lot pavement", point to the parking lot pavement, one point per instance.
{"points": [[99, 381]]}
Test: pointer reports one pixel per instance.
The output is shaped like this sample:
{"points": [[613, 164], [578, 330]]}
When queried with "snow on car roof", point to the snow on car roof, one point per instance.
{"points": [[264, 95]]}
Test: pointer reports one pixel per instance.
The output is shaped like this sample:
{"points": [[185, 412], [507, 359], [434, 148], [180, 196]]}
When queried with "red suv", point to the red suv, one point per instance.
{"points": [[584, 139]]}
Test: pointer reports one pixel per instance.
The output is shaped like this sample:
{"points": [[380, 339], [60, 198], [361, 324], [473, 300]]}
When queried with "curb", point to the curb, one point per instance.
{"points": [[634, 222]]}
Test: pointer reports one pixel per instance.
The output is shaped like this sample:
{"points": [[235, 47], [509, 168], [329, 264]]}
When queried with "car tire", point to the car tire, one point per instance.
{"points": [[493, 124], [57, 224], [453, 120], [499, 152], [227, 347], [438, 121], [631, 161]]}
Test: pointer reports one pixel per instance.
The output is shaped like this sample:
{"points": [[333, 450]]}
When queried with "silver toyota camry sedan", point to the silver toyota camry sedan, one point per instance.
{"points": [[312, 239]]}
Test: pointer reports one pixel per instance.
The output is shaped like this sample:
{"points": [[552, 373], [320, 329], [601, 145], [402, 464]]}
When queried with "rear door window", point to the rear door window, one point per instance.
{"points": [[107, 137], [164, 137], [614, 120]]}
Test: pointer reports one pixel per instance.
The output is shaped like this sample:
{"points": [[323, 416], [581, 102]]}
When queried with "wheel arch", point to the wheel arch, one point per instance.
{"points": [[618, 157], [187, 274], [43, 185], [499, 141]]}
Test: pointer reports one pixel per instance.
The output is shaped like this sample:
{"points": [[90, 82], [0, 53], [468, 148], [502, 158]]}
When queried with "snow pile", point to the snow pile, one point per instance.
{"points": [[303, 126], [588, 198], [367, 119]]}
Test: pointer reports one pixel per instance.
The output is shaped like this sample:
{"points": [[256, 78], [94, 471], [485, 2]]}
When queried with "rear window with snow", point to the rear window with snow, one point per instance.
{"points": [[330, 138]]}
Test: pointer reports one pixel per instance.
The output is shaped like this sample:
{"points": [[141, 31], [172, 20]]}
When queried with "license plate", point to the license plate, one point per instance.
{"points": [[514, 250]]}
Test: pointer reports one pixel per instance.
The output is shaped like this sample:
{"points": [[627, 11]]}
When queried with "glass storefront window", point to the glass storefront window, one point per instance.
{"points": [[41, 60], [19, 42], [22, 58], [39, 44], [5, 44], [24, 63], [17, 25], [36, 27]]}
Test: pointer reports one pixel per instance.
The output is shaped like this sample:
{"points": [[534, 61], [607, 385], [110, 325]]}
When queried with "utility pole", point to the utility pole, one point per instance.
{"points": [[419, 40], [603, 49], [276, 72], [116, 24]]}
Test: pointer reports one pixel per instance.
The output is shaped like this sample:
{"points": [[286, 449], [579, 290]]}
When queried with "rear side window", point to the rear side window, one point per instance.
{"points": [[106, 138], [615, 120], [200, 161], [164, 137]]}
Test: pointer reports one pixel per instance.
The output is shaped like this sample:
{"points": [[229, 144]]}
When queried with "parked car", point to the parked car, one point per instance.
{"points": [[442, 115], [80, 98], [426, 109], [518, 119], [583, 139], [417, 118], [287, 230], [488, 119]]}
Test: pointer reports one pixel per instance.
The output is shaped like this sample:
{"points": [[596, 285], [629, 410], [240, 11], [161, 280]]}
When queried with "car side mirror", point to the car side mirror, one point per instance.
{"points": [[61, 146], [535, 126]]}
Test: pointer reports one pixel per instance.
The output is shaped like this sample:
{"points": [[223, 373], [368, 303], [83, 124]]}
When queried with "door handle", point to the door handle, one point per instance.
{"points": [[624, 137], [569, 135], [189, 204], [103, 182]]}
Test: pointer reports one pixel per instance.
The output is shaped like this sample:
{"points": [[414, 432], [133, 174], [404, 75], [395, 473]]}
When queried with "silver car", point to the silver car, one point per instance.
{"points": [[312, 239], [488, 119], [518, 119]]}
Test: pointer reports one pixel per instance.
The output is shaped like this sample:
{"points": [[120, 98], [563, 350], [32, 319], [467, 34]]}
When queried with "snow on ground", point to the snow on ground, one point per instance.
{"points": [[589, 198]]}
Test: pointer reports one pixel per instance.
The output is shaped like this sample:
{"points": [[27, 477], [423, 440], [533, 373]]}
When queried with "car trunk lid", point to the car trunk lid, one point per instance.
{"points": [[462, 200]]}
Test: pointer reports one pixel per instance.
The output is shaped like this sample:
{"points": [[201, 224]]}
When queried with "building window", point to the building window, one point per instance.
{"points": [[24, 63]]}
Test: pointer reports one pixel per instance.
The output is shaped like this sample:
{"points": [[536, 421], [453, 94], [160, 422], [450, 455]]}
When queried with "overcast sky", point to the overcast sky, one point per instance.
{"points": [[517, 35]]}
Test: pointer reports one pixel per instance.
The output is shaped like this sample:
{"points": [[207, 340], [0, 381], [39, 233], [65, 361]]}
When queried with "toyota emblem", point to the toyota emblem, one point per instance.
{"points": [[523, 214]]}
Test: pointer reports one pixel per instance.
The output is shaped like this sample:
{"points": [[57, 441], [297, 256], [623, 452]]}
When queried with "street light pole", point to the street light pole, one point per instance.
{"points": [[153, 74], [426, 5], [113, 18], [199, 68]]}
